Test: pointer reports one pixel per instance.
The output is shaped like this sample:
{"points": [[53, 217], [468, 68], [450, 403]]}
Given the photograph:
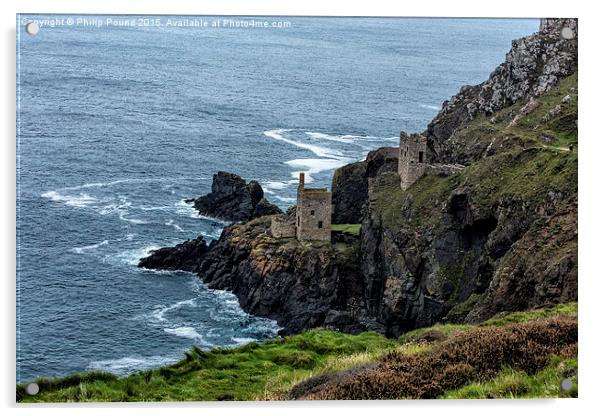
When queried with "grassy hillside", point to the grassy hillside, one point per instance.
{"points": [[526, 160], [269, 370]]}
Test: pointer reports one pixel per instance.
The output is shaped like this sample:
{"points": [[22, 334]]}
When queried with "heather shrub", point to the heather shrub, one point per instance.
{"points": [[477, 354]]}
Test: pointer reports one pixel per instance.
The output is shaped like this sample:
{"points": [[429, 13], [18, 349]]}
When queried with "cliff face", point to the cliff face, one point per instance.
{"points": [[301, 285], [501, 235], [495, 237], [533, 66], [350, 184]]}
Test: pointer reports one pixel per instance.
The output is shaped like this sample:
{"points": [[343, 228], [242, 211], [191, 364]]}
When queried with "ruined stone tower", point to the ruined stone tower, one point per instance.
{"points": [[314, 211], [412, 158]]}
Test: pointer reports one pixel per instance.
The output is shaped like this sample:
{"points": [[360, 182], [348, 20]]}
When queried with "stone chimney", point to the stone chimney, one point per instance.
{"points": [[301, 180]]}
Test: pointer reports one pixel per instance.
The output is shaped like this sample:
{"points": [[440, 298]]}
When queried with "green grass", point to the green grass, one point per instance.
{"points": [[244, 373], [533, 130], [267, 370], [511, 384], [353, 229], [528, 175], [523, 166], [504, 318]]}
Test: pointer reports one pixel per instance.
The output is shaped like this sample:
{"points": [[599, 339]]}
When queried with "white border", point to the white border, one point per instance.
{"points": [[589, 217]]}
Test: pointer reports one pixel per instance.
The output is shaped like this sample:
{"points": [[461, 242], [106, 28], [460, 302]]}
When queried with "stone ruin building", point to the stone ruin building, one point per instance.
{"points": [[312, 220], [412, 161], [313, 214]]}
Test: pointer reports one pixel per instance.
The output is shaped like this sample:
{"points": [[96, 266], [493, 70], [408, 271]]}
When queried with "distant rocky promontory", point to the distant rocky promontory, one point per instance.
{"points": [[233, 199]]}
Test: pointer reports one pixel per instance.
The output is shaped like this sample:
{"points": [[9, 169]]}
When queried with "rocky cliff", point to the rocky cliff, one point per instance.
{"points": [[533, 66], [350, 184], [301, 285], [500, 235], [233, 199]]}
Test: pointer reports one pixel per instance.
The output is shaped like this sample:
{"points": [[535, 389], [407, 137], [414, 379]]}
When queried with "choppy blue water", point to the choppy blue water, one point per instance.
{"points": [[117, 126]]}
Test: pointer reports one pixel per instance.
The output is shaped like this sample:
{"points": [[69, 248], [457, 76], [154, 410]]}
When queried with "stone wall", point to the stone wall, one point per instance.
{"points": [[314, 212], [282, 227], [441, 169], [412, 158]]}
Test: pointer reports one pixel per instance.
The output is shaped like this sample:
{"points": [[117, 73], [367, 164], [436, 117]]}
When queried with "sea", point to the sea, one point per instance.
{"points": [[119, 123]]}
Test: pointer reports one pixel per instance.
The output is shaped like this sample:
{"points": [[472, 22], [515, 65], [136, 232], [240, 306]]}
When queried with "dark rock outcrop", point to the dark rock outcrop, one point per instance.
{"points": [[349, 193], [233, 199], [301, 285], [350, 184], [533, 66], [466, 252], [185, 256]]}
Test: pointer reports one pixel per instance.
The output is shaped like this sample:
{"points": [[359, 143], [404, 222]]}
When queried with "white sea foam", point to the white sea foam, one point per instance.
{"points": [[277, 134], [81, 200], [430, 107], [238, 341], [171, 223], [324, 136], [186, 209], [270, 186], [285, 199], [185, 332], [131, 180], [348, 138], [81, 250], [126, 365], [131, 257], [276, 185], [314, 166], [132, 220], [159, 313]]}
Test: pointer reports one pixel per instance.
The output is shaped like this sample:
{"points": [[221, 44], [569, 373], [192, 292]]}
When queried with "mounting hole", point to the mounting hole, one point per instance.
{"points": [[567, 33], [32, 389], [32, 28], [566, 384]]}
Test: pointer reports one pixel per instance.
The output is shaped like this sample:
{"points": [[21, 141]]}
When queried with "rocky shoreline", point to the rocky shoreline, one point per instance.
{"points": [[501, 235]]}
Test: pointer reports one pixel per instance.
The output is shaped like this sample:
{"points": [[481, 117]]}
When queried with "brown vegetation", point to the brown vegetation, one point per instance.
{"points": [[473, 355]]}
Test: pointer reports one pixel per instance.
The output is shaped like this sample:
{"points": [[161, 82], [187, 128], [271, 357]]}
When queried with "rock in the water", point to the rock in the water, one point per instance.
{"points": [[185, 256], [233, 199]]}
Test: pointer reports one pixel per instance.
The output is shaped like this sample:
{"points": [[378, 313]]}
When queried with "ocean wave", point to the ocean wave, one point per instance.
{"points": [[324, 136], [317, 150], [81, 250], [135, 221], [131, 180], [270, 186], [285, 199], [213, 219], [130, 257], [159, 313], [314, 166], [81, 200], [171, 223], [430, 107], [188, 332], [240, 341], [348, 138], [127, 365]]}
